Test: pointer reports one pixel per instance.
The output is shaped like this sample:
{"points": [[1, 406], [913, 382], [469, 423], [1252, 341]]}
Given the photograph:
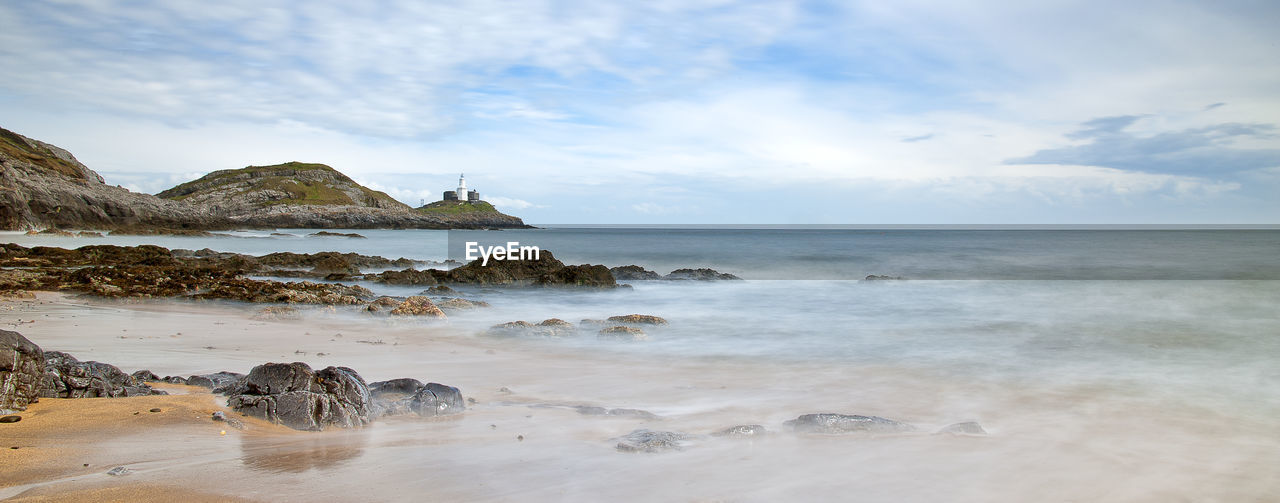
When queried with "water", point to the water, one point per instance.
{"points": [[1089, 354]]}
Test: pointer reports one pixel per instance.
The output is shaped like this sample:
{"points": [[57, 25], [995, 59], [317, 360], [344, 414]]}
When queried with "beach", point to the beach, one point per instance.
{"points": [[524, 439]]}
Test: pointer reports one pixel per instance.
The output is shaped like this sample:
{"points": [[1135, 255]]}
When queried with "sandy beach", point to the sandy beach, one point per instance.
{"points": [[522, 438]]}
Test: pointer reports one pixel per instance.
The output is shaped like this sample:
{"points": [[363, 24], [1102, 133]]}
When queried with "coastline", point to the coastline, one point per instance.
{"points": [[523, 437]]}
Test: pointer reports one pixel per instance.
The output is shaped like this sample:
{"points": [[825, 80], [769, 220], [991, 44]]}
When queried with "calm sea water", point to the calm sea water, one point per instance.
{"points": [[1164, 313]]}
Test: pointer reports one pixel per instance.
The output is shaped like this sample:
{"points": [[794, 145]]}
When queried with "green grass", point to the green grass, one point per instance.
{"points": [[300, 192], [15, 146], [457, 208]]}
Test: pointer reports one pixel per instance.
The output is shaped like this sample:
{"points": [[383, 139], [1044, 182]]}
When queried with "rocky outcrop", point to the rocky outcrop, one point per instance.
{"points": [[699, 275], [633, 273], [545, 271], [830, 423], [67, 377], [294, 395], [622, 333], [309, 195], [21, 370], [742, 431], [43, 186], [965, 428]]}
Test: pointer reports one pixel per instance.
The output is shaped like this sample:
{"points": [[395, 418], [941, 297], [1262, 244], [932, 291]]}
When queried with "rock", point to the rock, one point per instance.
{"points": [[461, 304], [144, 376], [219, 382], [22, 368], [333, 264], [154, 409], [382, 304], [119, 471], [67, 377], [965, 428], [699, 275], [440, 290], [294, 395], [876, 277], [639, 319], [652, 441], [830, 423], [518, 327], [10, 419], [336, 234], [587, 410], [278, 313], [622, 333], [555, 322], [587, 275], [545, 271], [633, 273], [742, 431], [418, 305], [405, 395], [231, 421]]}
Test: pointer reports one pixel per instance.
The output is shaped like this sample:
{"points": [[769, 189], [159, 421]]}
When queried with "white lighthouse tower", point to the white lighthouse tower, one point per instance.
{"points": [[462, 187]]}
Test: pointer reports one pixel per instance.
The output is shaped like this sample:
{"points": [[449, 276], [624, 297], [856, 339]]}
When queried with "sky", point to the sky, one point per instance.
{"points": [[693, 111]]}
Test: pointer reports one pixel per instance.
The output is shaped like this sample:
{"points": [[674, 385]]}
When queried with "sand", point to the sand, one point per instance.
{"points": [[521, 440]]}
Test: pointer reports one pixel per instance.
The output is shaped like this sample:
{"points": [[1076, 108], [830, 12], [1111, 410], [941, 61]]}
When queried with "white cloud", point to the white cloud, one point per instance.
{"points": [[510, 203]]}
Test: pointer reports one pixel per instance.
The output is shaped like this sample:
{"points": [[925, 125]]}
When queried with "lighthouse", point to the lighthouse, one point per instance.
{"points": [[462, 187], [462, 194]]}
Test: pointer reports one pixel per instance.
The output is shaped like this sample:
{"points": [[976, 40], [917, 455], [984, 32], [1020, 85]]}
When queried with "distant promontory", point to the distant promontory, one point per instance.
{"points": [[43, 186]]}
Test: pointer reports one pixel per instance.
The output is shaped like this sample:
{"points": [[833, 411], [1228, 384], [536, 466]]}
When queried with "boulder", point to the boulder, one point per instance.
{"points": [[586, 275], [296, 396], [405, 396], [21, 369], [382, 304], [67, 377], [830, 423], [461, 304]]}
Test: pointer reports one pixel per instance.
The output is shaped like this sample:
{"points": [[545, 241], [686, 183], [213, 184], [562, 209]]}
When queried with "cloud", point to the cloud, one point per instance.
{"points": [[1209, 151], [914, 139], [1214, 105], [510, 203]]}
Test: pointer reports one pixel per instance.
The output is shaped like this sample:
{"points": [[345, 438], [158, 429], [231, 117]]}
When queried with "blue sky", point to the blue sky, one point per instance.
{"points": [[682, 111]]}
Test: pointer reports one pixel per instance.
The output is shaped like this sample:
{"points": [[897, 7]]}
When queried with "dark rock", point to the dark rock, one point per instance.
{"points": [[639, 319], [405, 395], [461, 304], [622, 333], [336, 234], [21, 370], [278, 313], [440, 290], [294, 395], [382, 304], [633, 273], [10, 419], [67, 377], [403, 385], [965, 428], [410, 276], [843, 423], [144, 376], [587, 275], [699, 275], [742, 431], [877, 277], [436, 399], [222, 417], [156, 409], [652, 441]]}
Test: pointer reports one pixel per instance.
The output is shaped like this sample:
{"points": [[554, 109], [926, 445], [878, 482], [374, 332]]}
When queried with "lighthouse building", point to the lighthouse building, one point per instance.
{"points": [[462, 194]]}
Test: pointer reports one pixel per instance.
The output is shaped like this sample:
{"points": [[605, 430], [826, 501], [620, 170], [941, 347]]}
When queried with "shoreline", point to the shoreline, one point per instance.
{"points": [[526, 430]]}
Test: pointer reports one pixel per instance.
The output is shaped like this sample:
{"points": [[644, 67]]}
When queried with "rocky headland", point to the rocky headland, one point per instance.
{"points": [[44, 187]]}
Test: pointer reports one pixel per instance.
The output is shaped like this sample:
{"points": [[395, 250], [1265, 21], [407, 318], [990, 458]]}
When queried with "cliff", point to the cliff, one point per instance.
{"points": [[297, 194], [43, 186]]}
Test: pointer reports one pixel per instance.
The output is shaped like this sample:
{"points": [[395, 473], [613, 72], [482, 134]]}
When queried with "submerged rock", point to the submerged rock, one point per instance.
{"points": [[652, 441], [588, 410], [622, 333], [844, 423], [639, 319], [418, 305], [406, 395], [742, 431], [278, 313], [296, 396], [382, 304], [965, 428], [21, 370], [878, 277], [699, 275], [461, 304]]}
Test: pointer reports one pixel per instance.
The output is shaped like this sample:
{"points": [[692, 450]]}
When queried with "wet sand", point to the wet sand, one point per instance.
{"points": [[522, 441]]}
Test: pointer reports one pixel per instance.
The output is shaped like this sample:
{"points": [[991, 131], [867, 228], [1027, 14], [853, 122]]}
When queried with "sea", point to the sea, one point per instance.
{"points": [[1049, 336]]}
